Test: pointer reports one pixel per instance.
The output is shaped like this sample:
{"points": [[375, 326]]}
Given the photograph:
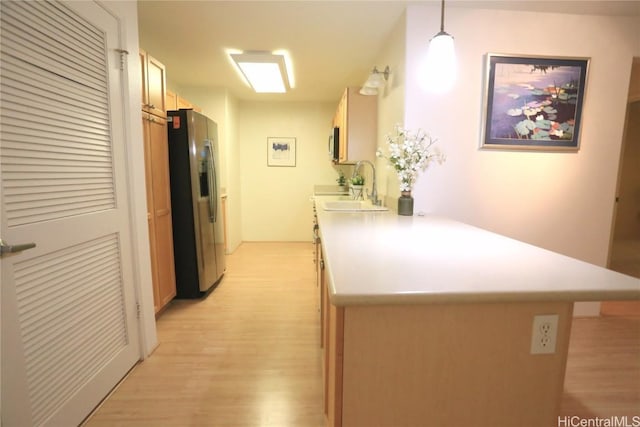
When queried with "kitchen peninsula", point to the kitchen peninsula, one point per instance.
{"points": [[428, 321]]}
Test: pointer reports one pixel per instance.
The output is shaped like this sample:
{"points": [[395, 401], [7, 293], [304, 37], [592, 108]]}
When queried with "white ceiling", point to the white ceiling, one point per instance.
{"points": [[332, 43]]}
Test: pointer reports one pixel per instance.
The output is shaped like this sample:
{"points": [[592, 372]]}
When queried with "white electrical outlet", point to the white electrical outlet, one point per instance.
{"points": [[544, 334]]}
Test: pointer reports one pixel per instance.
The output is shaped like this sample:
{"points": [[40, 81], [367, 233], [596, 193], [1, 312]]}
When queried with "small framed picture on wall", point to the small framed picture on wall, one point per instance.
{"points": [[281, 151]]}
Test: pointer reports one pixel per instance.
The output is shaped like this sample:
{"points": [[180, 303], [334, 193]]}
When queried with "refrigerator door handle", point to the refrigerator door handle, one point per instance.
{"points": [[214, 177], [211, 182]]}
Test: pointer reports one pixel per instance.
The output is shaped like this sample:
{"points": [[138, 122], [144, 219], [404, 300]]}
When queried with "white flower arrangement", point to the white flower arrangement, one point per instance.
{"points": [[410, 153]]}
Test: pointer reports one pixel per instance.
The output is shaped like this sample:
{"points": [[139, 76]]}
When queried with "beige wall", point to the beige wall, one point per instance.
{"points": [[275, 200], [559, 201], [391, 105]]}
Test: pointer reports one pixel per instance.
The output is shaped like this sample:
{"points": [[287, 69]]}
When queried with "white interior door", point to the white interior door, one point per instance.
{"points": [[69, 327]]}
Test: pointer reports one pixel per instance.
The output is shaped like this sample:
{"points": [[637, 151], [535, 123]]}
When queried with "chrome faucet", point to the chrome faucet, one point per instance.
{"points": [[374, 192]]}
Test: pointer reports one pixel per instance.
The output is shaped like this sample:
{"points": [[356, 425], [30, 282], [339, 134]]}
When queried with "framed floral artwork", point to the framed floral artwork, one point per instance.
{"points": [[533, 102], [281, 151]]}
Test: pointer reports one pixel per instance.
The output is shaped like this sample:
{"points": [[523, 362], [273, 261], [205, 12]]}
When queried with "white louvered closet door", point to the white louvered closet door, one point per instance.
{"points": [[69, 327]]}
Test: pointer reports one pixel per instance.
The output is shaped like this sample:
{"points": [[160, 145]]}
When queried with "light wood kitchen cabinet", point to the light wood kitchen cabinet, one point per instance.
{"points": [[171, 101], [333, 335], [156, 151], [400, 364], [153, 85], [176, 102], [356, 117]]}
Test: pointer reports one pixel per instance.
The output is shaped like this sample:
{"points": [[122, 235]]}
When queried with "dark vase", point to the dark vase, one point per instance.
{"points": [[405, 204]]}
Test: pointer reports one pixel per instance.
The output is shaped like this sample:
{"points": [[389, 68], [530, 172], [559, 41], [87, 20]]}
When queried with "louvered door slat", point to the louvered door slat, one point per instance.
{"points": [[40, 17], [51, 86], [26, 41], [42, 186], [62, 140], [20, 97], [40, 154], [52, 268], [66, 61], [61, 202], [59, 195], [44, 152], [42, 158], [57, 212], [55, 342], [83, 31], [96, 130]]}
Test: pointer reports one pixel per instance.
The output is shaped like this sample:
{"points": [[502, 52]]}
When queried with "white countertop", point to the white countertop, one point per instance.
{"points": [[384, 258]]}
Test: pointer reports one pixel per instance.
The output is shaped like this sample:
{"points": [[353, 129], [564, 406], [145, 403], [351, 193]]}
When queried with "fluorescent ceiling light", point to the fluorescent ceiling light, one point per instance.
{"points": [[264, 71]]}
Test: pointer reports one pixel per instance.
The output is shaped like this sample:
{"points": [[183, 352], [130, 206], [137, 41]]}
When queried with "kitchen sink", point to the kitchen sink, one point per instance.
{"points": [[351, 206]]}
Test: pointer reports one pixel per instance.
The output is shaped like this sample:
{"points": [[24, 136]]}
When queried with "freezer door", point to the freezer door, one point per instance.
{"points": [[218, 224], [203, 200]]}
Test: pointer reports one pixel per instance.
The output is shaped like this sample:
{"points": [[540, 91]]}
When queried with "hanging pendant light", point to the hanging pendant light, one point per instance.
{"points": [[440, 68]]}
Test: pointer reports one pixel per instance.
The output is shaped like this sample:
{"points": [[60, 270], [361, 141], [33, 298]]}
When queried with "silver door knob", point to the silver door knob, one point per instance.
{"points": [[5, 248]]}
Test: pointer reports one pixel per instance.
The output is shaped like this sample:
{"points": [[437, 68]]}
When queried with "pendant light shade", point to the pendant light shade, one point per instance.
{"points": [[440, 65]]}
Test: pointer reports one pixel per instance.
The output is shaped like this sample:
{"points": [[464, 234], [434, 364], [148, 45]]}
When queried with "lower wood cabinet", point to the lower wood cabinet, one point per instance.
{"points": [[332, 329], [440, 364], [156, 151]]}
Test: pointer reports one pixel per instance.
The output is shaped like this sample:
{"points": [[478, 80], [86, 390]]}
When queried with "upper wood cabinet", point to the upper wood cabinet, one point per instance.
{"points": [[183, 103], [357, 118], [176, 102], [171, 101], [154, 85]]}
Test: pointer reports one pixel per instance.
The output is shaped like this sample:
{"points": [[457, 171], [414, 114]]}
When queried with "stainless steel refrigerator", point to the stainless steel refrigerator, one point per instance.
{"points": [[194, 165]]}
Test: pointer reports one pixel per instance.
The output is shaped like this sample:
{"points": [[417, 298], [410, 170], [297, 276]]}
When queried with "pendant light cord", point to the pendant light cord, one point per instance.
{"points": [[442, 18]]}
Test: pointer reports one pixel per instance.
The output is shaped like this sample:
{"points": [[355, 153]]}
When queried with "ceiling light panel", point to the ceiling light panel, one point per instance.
{"points": [[264, 71]]}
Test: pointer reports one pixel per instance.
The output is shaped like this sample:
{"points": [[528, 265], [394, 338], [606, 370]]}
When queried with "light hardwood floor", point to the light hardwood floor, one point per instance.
{"points": [[248, 355]]}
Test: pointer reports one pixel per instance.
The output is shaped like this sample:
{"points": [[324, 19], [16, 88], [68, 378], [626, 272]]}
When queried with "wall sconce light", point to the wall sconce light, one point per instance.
{"points": [[440, 67], [377, 79]]}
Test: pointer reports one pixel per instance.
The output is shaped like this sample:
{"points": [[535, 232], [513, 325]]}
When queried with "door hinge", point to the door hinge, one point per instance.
{"points": [[137, 310], [123, 53]]}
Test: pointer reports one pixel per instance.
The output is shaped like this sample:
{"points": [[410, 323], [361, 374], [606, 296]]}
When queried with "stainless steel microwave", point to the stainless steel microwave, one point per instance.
{"points": [[334, 144]]}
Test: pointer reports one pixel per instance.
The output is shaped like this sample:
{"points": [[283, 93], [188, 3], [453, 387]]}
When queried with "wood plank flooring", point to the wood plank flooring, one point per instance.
{"points": [[248, 355]]}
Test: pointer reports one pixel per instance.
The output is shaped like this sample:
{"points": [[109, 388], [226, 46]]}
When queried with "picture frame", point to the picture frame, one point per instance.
{"points": [[281, 151], [533, 102]]}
